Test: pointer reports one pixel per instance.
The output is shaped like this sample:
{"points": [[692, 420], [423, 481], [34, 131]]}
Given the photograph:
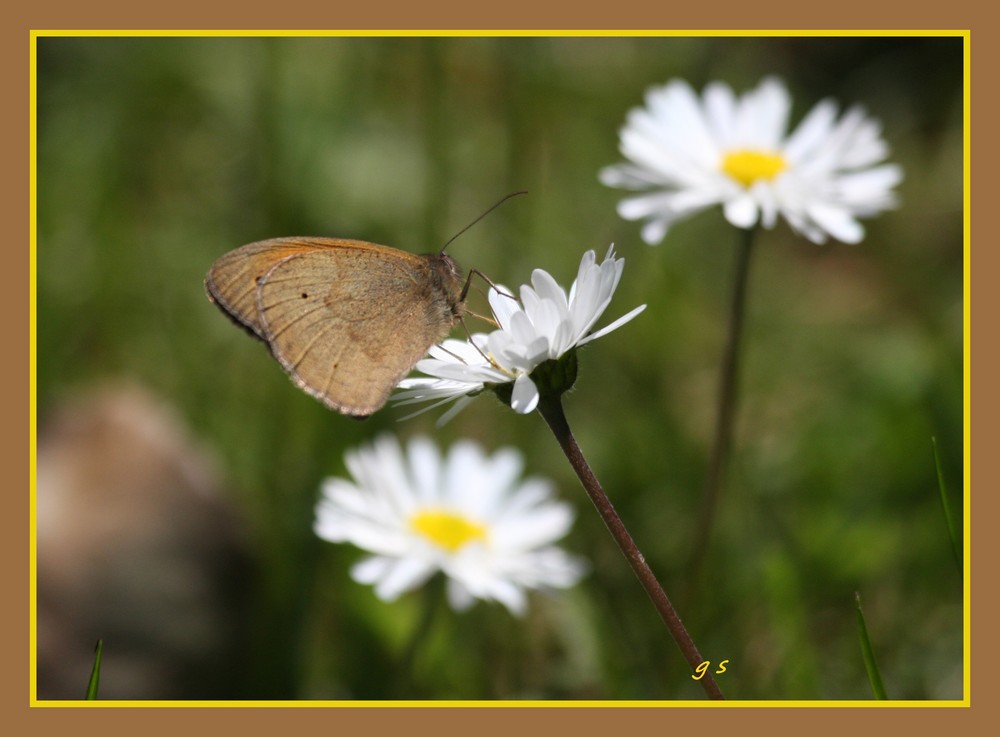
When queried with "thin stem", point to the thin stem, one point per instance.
{"points": [[552, 411], [726, 410], [432, 595]]}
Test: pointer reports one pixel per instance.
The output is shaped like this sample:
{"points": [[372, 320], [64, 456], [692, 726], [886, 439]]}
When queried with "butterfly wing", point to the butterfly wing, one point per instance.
{"points": [[231, 283], [347, 320]]}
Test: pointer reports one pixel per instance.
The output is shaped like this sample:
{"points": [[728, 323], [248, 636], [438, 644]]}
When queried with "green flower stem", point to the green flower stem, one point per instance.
{"points": [[551, 409], [726, 409], [432, 596]]}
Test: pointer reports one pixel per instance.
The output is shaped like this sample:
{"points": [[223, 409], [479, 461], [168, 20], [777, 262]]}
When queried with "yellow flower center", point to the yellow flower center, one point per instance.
{"points": [[746, 166], [446, 529]]}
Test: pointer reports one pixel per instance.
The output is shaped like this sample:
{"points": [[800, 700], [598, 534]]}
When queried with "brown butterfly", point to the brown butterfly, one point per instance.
{"points": [[346, 319]]}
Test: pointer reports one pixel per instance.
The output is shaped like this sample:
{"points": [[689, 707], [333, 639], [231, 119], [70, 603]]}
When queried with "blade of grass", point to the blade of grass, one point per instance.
{"points": [[874, 677], [949, 517], [95, 674]]}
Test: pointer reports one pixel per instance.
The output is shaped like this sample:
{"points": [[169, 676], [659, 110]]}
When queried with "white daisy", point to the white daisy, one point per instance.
{"points": [[466, 515], [545, 325], [691, 154]]}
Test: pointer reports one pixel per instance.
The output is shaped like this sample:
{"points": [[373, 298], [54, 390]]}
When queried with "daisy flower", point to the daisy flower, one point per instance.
{"points": [[466, 515], [687, 154], [545, 325]]}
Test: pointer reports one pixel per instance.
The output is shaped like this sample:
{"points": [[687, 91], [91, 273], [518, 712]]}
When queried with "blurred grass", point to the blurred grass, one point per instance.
{"points": [[868, 653], [155, 156], [94, 684]]}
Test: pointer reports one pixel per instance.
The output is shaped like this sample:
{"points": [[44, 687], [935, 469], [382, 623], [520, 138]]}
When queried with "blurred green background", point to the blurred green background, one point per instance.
{"points": [[157, 155]]}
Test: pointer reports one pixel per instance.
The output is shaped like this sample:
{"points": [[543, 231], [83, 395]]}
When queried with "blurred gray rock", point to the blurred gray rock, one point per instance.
{"points": [[138, 546]]}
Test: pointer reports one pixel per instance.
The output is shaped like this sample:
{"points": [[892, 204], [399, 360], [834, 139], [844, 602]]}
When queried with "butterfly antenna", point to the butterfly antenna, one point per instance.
{"points": [[491, 209]]}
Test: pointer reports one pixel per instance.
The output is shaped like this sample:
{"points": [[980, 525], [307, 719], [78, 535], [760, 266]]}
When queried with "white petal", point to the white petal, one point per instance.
{"points": [[493, 482], [522, 330], [460, 404], [530, 494], [503, 304], [404, 574], [654, 231], [511, 597], [661, 164], [551, 567], [371, 569], [541, 527], [551, 321], [425, 468], [642, 206], [628, 176], [682, 110], [451, 370], [720, 109], [763, 193], [869, 191], [767, 111], [838, 223], [613, 326], [458, 596], [811, 132], [524, 397], [741, 211], [547, 288]]}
